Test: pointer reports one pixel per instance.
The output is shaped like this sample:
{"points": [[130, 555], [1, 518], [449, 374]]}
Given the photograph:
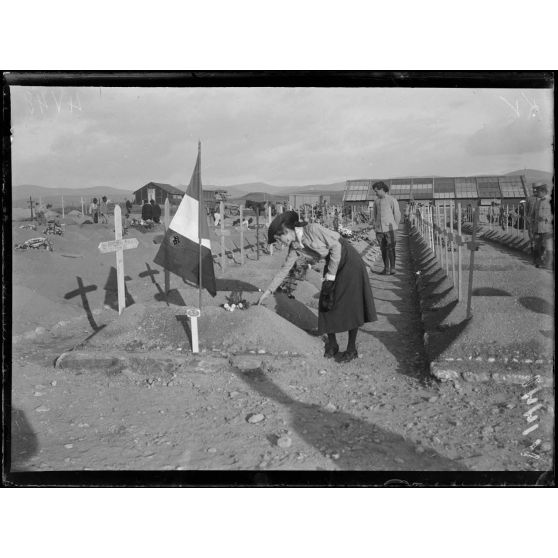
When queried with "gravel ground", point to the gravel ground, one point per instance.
{"points": [[297, 411]]}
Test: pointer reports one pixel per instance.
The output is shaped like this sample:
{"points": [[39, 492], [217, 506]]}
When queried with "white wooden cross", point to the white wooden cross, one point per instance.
{"points": [[118, 245]]}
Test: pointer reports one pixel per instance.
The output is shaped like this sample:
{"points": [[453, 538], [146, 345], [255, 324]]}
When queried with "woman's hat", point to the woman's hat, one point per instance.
{"points": [[289, 219]]}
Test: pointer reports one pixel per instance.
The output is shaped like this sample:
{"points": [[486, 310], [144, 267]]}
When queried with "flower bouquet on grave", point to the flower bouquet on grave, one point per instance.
{"points": [[345, 232], [236, 302]]}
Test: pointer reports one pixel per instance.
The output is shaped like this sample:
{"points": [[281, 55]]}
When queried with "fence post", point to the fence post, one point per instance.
{"points": [[427, 221], [241, 235], [431, 225], [438, 241], [446, 241], [452, 245], [268, 225], [222, 212], [443, 239], [257, 232], [459, 252], [472, 260]]}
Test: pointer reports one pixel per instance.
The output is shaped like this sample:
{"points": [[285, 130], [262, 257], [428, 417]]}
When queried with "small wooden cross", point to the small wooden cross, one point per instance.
{"points": [[118, 245]]}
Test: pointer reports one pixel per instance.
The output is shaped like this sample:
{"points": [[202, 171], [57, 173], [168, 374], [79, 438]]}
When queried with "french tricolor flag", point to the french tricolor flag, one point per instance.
{"points": [[186, 244]]}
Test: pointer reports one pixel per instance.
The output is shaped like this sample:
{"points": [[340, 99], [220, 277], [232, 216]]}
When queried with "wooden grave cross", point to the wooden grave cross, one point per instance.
{"points": [[118, 245]]}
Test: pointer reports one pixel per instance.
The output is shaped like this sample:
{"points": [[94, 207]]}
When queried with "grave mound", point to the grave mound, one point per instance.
{"points": [[143, 327]]}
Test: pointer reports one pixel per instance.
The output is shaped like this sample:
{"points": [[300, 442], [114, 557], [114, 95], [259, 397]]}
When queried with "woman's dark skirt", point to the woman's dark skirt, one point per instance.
{"points": [[354, 303]]}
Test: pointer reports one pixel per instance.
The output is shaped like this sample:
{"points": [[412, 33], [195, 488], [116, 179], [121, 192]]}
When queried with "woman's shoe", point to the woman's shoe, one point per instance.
{"points": [[331, 351], [347, 356]]}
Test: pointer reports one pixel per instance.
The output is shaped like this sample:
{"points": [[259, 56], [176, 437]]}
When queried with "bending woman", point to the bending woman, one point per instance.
{"points": [[346, 300]]}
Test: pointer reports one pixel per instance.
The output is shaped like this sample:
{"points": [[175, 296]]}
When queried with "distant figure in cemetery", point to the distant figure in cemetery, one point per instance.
{"points": [[156, 213], [94, 210], [386, 217], [217, 216], [503, 217], [147, 211], [128, 207], [407, 213], [346, 300], [103, 210], [336, 221], [543, 227]]}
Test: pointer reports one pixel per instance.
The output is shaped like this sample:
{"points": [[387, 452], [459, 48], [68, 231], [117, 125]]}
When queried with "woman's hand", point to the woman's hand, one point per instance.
{"points": [[327, 296], [265, 294]]}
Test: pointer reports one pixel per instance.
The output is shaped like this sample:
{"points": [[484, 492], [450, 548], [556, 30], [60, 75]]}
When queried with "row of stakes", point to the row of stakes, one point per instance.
{"points": [[432, 225]]}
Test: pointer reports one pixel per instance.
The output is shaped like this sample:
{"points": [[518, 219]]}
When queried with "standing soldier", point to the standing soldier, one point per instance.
{"points": [[543, 228], [386, 221], [529, 207]]}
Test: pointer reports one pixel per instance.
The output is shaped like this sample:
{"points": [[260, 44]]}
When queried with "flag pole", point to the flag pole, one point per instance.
{"points": [[200, 207]]}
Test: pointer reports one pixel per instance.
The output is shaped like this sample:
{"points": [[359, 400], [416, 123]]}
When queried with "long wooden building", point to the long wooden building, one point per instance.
{"points": [[509, 189]]}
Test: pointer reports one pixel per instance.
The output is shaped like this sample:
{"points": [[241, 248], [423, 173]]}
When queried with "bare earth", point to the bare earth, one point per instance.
{"points": [[141, 400]]}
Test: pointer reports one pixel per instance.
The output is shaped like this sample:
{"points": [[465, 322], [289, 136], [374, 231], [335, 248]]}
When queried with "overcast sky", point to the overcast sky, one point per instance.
{"points": [[126, 137]]}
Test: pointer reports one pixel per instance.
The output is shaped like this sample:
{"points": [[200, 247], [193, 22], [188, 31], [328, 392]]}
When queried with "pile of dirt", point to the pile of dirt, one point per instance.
{"points": [[143, 327]]}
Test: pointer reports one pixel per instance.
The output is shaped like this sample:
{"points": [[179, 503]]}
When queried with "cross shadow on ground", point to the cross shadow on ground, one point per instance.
{"points": [[111, 291], [82, 291], [352, 443]]}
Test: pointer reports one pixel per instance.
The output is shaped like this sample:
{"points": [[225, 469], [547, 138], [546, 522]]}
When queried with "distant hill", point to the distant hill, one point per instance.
{"points": [[71, 195], [239, 190], [259, 196], [533, 175], [317, 188]]}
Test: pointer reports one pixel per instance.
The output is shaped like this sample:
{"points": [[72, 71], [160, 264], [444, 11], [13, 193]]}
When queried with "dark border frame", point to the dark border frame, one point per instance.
{"points": [[228, 78]]}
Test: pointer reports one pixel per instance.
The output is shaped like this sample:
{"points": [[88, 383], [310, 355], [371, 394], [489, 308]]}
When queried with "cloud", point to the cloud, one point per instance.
{"points": [[285, 136], [522, 135]]}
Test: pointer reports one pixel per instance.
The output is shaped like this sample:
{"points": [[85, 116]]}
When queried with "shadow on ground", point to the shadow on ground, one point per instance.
{"points": [[24, 444], [537, 304], [405, 343], [111, 291], [296, 312], [352, 443], [235, 285]]}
